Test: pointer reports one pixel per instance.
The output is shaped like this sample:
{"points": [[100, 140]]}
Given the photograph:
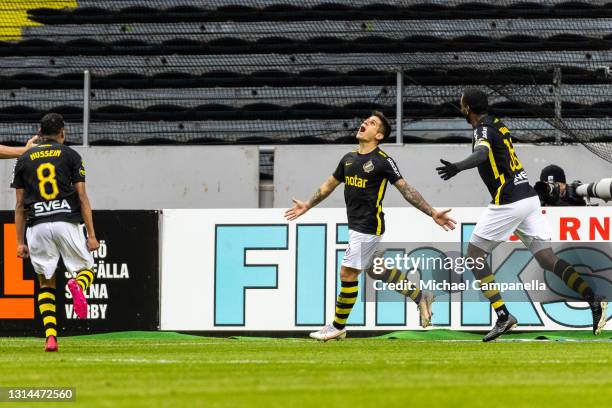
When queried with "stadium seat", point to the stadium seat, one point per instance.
{"points": [[243, 63]]}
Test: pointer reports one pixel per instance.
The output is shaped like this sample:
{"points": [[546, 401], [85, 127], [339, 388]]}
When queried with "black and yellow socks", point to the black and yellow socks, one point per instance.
{"points": [[572, 279], [487, 278], [345, 302], [46, 306], [395, 276], [497, 303], [85, 278]]}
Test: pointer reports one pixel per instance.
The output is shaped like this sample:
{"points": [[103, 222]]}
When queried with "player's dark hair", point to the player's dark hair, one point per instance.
{"points": [[385, 126], [477, 100], [51, 125]]}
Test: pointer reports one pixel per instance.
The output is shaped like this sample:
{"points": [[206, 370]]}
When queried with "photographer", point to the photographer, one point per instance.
{"points": [[554, 191]]}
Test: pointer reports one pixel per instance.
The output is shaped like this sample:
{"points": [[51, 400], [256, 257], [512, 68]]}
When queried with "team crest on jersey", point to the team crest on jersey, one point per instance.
{"points": [[368, 167]]}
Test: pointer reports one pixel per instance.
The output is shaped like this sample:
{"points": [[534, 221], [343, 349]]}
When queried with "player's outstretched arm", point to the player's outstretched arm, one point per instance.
{"points": [[300, 207], [8, 152], [416, 199], [92, 241], [480, 155], [22, 248]]}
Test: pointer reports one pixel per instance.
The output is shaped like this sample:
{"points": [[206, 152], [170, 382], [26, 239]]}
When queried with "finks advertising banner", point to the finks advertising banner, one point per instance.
{"points": [[125, 292], [249, 270]]}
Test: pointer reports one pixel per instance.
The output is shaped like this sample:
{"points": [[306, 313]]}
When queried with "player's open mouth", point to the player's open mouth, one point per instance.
{"points": [[362, 129]]}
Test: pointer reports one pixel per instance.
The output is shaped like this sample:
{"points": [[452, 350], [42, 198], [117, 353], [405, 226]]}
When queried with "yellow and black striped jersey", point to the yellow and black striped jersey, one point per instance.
{"points": [[48, 173], [365, 178], [502, 173]]}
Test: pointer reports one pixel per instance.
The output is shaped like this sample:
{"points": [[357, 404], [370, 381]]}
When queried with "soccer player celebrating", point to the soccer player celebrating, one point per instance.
{"points": [[515, 208], [49, 182], [366, 173]]}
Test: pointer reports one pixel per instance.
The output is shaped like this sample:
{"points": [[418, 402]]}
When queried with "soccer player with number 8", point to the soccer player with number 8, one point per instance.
{"points": [[49, 183]]}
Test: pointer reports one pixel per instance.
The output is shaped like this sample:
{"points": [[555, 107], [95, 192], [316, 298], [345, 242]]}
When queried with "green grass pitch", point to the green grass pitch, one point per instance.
{"points": [[174, 370]]}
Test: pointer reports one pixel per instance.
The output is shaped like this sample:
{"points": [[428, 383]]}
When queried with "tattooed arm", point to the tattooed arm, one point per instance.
{"points": [[300, 207], [416, 199], [323, 192], [413, 196]]}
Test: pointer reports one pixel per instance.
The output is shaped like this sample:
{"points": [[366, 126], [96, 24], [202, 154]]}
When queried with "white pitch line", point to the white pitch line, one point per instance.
{"points": [[126, 360], [276, 362], [165, 361], [159, 344]]}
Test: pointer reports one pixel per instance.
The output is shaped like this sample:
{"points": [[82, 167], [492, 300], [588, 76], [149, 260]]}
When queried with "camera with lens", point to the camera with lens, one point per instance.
{"points": [[553, 190], [552, 194]]}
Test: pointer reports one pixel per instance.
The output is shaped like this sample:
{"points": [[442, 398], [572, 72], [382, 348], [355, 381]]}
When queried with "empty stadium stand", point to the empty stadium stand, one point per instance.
{"points": [[289, 71]]}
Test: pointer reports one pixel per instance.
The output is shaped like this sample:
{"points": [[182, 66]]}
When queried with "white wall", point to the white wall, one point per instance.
{"points": [[142, 177], [299, 170], [155, 177]]}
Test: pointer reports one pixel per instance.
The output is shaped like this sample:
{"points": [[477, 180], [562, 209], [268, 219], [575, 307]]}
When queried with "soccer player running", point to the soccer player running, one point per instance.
{"points": [[49, 182], [366, 173], [515, 208]]}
